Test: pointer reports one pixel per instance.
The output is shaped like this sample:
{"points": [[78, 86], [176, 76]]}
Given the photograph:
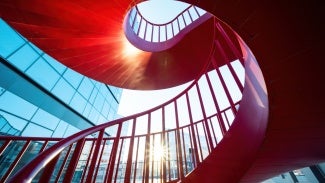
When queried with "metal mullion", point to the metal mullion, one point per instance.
{"points": [[15, 162], [95, 156], [197, 12], [214, 134], [171, 24], [168, 157], [178, 140], [111, 163], [177, 156], [192, 149], [184, 20], [88, 160], [219, 117], [74, 161], [136, 160], [63, 163], [127, 175], [223, 83], [100, 157], [224, 113], [139, 26], [210, 143], [134, 19], [152, 158], [188, 11], [147, 149], [179, 27], [205, 134], [145, 31], [199, 141], [152, 32], [118, 160], [184, 151], [158, 34], [4, 146], [166, 29], [164, 145], [197, 159]]}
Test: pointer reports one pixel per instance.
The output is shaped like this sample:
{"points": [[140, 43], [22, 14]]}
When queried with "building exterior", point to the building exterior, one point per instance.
{"points": [[41, 97]]}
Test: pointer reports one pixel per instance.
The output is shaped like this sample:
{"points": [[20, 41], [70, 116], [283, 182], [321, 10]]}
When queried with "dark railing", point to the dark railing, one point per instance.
{"points": [[154, 32], [162, 144]]}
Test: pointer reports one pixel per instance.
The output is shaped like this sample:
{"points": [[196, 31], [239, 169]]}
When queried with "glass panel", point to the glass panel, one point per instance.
{"points": [[85, 87], [149, 32], [9, 102], [33, 130], [24, 57], [218, 90], [54, 63], [78, 103], [73, 77], [193, 13], [60, 130], [208, 103], [230, 83], [63, 90], [9, 39], [44, 118], [39, 70]]}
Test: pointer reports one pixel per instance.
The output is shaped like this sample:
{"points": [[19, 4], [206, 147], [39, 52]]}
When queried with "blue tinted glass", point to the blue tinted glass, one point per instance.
{"points": [[93, 116], [44, 74], [85, 88], [54, 63], [99, 102], [78, 103], [35, 130], [72, 77], [44, 118], [59, 131], [15, 122], [24, 57], [71, 130], [10, 102], [63, 90], [9, 39]]}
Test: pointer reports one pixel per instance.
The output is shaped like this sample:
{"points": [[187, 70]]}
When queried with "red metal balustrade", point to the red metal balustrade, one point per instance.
{"points": [[160, 32], [162, 144]]}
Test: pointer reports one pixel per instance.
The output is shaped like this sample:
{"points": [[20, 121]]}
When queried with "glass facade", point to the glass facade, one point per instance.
{"points": [[312, 174], [41, 97]]}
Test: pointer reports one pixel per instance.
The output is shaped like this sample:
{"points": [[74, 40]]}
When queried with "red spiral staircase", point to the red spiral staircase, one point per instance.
{"points": [[273, 130]]}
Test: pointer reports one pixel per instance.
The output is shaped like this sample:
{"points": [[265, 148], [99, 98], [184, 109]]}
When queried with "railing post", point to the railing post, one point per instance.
{"points": [[231, 69], [74, 161], [219, 117], [94, 158], [15, 162], [147, 150], [230, 43], [163, 136], [111, 164], [196, 153], [210, 142], [178, 143], [127, 176]]}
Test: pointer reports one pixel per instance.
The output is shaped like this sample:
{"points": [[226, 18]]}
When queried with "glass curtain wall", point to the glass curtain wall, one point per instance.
{"points": [[21, 112]]}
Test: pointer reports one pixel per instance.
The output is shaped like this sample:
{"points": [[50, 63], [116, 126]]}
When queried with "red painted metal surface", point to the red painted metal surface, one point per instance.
{"points": [[164, 155], [286, 38]]}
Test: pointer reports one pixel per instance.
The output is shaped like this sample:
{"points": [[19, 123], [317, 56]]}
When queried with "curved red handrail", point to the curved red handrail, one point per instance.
{"points": [[201, 136]]}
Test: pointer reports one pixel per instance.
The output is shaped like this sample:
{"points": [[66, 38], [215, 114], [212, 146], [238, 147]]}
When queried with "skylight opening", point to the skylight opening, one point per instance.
{"points": [[158, 21]]}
